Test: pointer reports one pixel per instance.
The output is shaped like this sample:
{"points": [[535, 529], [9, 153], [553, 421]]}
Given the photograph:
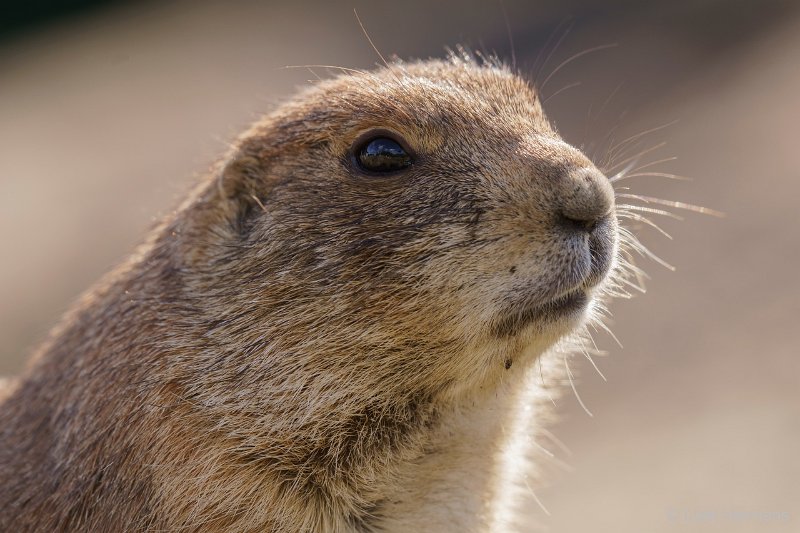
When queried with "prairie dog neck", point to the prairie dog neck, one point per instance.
{"points": [[475, 469]]}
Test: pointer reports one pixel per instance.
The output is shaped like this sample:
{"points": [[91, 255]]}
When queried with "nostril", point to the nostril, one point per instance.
{"points": [[589, 225], [576, 224]]}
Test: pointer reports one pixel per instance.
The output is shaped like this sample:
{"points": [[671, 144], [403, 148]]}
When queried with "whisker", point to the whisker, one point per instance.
{"points": [[608, 100], [618, 292], [654, 163], [629, 207], [510, 35], [672, 203], [545, 387], [555, 440], [561, 90], [259, 202], [611, 333], [639, 218], [555, 47], [335, 67], [642, 249], [589, 357], [641, 134], [656, 174], [363, 29], [641, 275], [573, 58], [572, 384], [635, 157], [545, 450], [536, 498], [621, 174], [592, 118], [634, 286]]}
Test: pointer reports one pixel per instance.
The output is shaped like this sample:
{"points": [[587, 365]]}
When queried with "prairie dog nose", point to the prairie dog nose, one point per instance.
{"points": [[587, 197]]}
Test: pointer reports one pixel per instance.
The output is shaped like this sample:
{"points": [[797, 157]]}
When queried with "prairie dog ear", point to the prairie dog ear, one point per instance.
{"points": [[240, 186], [223, 210]]}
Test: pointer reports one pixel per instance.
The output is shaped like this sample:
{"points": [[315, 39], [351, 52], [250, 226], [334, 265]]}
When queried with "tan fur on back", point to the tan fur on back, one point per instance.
{"points": [[304, 348]]}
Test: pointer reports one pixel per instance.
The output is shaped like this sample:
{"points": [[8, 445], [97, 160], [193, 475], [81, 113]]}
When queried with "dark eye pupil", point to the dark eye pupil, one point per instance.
{"points": [[383, 155]]}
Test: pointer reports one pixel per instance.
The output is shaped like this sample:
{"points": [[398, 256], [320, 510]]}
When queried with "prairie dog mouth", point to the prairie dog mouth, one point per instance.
{"points": [[568, 306], [562, 300]]}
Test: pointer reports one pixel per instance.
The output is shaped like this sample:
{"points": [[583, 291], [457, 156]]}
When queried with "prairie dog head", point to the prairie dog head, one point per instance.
{"points": [[414, 228]]}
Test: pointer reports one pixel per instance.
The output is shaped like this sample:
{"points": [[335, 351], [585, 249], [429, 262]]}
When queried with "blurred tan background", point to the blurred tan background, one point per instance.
{"points": [[108, 113]]}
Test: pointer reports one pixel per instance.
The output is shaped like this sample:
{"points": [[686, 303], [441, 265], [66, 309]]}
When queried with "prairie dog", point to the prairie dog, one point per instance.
{"points": [[335, 332]]}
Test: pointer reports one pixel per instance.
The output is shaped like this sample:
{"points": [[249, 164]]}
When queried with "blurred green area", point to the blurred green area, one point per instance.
{"points": [[21, 16]]}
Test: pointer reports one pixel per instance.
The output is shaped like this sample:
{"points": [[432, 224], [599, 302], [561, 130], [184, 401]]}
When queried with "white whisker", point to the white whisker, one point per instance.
{"points": [[639, 135], [561, 90], [645, 220], [634, 157], [545, 388], [633, 285], [555, 47], [536, 498], [656, 174], [589, 357], [629, 207], [643, 250], [654, 163], [555, 440], [572, 384], [573, 58], [621, 174], [611, 333], [335, 67], [672, 203]]}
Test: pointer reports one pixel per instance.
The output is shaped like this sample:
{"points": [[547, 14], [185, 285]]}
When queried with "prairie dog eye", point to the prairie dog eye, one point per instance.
{"points": [[382, 155]]}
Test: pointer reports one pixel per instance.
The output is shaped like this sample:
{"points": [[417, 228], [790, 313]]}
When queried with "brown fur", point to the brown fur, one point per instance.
{"points": [[290, 348]]}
